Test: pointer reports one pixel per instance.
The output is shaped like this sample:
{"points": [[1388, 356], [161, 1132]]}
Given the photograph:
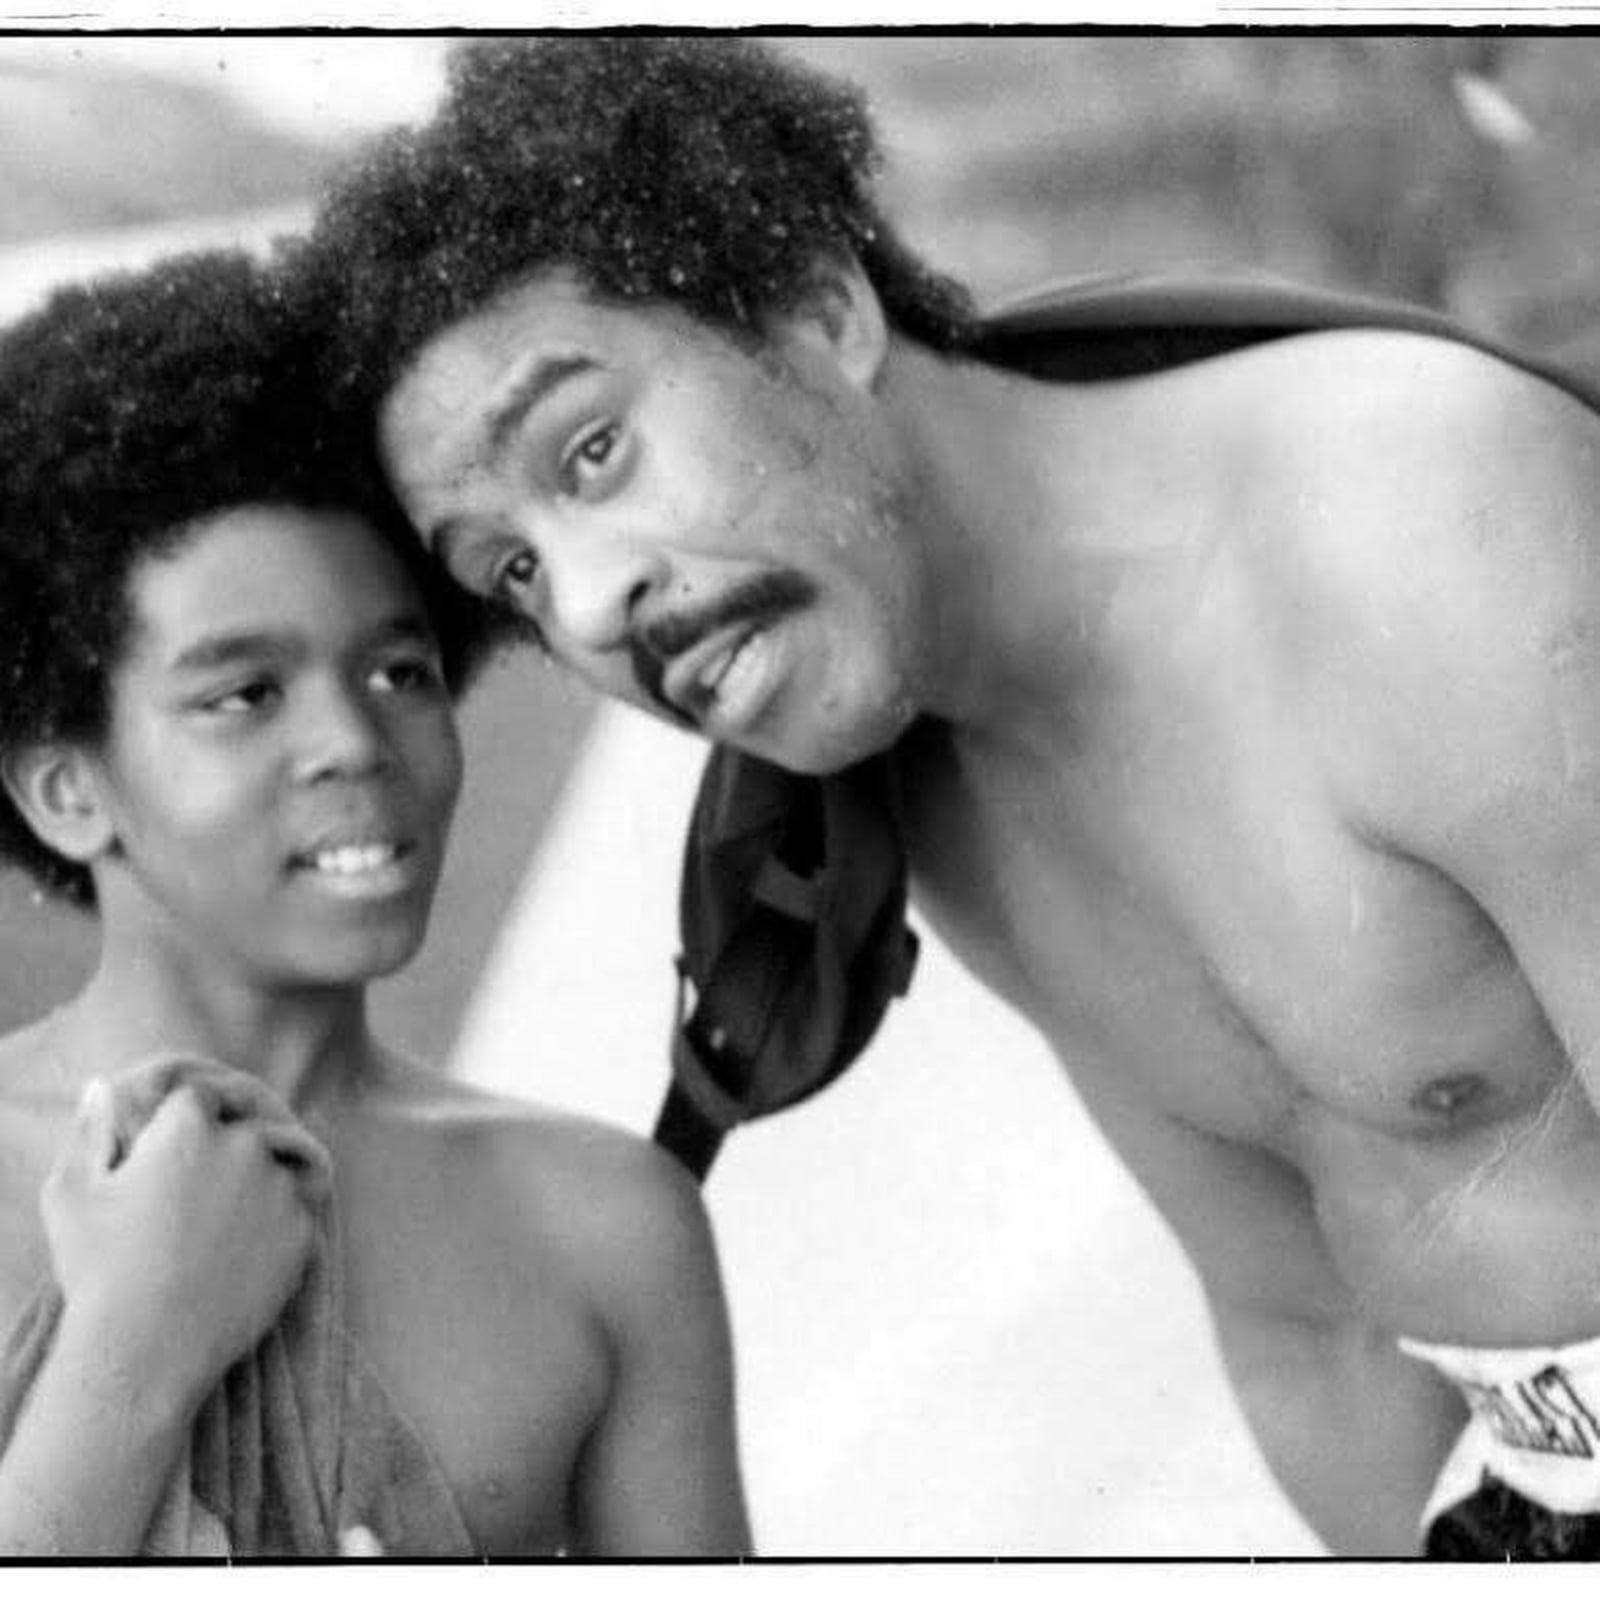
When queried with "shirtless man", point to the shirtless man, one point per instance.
{"points": [[228, 729], [1248, 710]]}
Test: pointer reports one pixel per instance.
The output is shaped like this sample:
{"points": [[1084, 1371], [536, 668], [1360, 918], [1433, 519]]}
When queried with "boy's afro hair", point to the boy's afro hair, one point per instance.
{"points": [[709, 173], [130, 407]]}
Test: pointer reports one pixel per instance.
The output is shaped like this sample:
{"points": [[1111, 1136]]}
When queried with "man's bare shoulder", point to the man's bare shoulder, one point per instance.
{"points": [[1367, 363], [1386, 470], [1367, 414], [1424, 545]]}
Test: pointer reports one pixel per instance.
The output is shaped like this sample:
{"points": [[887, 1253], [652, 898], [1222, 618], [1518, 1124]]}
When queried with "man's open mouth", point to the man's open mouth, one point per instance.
{"points": [[695, 666], [701, 676]]}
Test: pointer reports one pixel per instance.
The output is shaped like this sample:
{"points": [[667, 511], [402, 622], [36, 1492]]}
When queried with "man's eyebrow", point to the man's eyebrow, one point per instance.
{"points": [[441, 537], [540, 379]]}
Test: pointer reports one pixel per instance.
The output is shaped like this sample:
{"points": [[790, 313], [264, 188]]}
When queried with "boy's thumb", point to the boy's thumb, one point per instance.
{"points": [[96, 1126]]}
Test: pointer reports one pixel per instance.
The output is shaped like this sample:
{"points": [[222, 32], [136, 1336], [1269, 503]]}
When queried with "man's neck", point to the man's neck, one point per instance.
{"points": [[1037, 503]]}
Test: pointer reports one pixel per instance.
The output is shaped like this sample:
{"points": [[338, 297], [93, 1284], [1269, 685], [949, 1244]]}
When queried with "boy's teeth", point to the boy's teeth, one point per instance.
{"points": [[353, 858]]}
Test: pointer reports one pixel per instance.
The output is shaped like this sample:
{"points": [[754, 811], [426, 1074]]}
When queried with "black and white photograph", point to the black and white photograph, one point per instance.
{"points": [[800, 793]]}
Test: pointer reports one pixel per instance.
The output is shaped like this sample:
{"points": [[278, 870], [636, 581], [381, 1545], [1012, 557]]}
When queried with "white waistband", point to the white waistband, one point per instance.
{"points": [[1535, 1421]]}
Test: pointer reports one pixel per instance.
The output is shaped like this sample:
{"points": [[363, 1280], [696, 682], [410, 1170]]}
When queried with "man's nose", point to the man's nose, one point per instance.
{"points": [[342, 735], [596, 588]]}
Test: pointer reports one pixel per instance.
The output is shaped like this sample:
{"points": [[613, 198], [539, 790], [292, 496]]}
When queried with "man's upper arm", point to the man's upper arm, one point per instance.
{"points": [[1466, 721], [660, 1476]]}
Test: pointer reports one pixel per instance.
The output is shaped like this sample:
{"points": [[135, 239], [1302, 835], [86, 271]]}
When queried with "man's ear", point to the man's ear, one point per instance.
{"points": [[842, 317], [56, 788]]}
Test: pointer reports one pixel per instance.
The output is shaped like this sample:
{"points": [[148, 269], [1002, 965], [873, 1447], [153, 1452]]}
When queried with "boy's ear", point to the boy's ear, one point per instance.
{"points": [[842, 316], [56, 788]]}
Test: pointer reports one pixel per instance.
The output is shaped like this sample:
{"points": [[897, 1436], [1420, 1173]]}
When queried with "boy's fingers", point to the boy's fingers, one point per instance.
{"points": [[305, 1155], [175, 1099], [90, 1149], [96, 1143]]}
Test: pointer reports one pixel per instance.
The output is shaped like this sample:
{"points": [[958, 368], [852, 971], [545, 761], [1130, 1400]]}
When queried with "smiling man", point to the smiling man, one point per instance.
{"points": [[293, 1295], [1238, 655]]}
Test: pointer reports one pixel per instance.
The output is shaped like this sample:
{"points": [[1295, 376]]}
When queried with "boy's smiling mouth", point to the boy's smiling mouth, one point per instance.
{"points": [[365, 868]]}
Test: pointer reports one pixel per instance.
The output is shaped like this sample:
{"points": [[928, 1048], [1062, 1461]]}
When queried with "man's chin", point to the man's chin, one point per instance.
{"points": [[807, 751], [825, 752]]}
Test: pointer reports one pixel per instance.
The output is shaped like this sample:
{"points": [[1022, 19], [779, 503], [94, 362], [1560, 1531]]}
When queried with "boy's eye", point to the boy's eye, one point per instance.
{"points": [[409, 672], [246, 697]]}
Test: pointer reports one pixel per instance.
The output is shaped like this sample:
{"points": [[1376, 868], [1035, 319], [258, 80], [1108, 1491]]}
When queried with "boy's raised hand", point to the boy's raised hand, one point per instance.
{"points": [[179, 1242]]}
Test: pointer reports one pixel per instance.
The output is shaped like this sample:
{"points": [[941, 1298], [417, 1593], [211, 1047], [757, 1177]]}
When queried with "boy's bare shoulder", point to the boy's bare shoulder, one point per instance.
{"points": [[423, 1097], [38, 1094], [602, 1188], [29, 1068], [37, 1100]]}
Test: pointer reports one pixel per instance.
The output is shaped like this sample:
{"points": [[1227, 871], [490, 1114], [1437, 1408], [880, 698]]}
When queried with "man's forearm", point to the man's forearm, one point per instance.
{"points": [[1352, 1429], [92, 1453]]}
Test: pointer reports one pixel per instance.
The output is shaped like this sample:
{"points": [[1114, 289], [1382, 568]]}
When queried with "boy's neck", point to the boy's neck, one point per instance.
{"points": [[311, 1046]]}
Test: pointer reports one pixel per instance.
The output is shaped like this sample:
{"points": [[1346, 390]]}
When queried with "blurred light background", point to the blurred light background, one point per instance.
{"points": [[923, 1389]]}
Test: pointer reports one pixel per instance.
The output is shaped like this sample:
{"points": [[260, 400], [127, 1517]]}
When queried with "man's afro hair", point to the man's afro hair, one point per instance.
{"points": [[709, 173], [130, 407]]}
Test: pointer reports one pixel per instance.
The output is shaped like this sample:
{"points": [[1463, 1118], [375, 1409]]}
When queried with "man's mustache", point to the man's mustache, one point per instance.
{"points": [[758, 600]]}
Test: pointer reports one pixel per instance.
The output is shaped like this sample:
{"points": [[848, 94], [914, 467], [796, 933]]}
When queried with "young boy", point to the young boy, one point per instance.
{"points": [[291, 1294]]}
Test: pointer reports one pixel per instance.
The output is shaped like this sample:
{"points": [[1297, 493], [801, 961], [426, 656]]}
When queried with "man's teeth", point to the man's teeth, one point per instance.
{"points": [[350, 859], [717, 670]]}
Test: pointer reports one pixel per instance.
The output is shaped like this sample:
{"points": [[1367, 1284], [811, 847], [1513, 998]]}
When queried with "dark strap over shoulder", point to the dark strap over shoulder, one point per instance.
{"points": [[793, 900], [1125, 326], [792, 909]]}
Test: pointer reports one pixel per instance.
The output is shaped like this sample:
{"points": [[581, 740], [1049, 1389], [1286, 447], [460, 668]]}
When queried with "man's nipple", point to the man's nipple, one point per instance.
{"points": [[1449, 1096]]}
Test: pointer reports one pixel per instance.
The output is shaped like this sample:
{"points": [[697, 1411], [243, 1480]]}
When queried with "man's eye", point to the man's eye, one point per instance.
{"points": [[517, 589], [517, 572], [590, 455]]}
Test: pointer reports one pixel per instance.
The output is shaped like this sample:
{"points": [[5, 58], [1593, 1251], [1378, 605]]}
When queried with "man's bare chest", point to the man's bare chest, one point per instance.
{"points": [[1275, 1019], [1231, 953]]}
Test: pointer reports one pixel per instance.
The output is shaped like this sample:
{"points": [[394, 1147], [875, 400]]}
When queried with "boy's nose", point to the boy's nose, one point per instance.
{"points": [[343, 739]]}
